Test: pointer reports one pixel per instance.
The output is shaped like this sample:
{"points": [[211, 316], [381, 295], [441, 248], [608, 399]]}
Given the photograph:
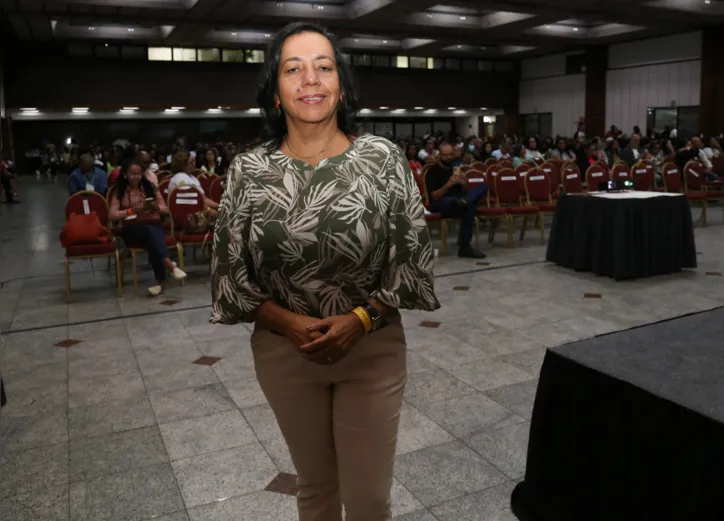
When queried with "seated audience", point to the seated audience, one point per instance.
{"points": [[477, 150], [458, 153], [211, 166], [714, 149], [503, 152], [561, 151], [411, 153], [531, 151], [692, 151], [586, 157], [88, 177], [138, 204], [631, 154], [184, 165], [520, 155], [8, 179], [449, 196], [429, 153], [148, 167]]}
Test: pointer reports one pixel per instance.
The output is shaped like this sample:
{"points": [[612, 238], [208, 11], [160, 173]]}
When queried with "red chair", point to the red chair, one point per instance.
{"points": [[620, 171], [479, 165], [87, 202], [431, 217], [490, 161], [671, 176], [505, 163], [595, 175], [538, 193], [216, 190], [644, 175], [694, 181], [163, 188], [522, 169], [163, 174], [465, 168], [206, 181], [571, 179], [116, 228], [508, 196], [604, 165], [485, 210], [183, 201], [553, 170]]}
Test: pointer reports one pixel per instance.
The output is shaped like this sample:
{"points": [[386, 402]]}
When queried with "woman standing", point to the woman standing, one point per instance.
{"points": [[320, 239], [139, 205]]}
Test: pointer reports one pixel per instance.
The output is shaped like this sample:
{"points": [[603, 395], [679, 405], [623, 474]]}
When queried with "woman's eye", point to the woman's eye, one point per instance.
{"points": [[293, 69]]}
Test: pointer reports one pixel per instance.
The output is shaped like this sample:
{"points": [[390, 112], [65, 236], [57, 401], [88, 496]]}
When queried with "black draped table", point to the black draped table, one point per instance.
{"points": [[630, 427], [623, 235]]}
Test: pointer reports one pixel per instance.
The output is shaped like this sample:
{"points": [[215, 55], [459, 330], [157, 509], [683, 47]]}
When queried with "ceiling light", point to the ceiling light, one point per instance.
{"points": [[462, 18], [365, 111], [130, 29], [171, 111], [29, 109], [130, 108], [80, 110], [431, 111], [267, 35], [398, 110], [575, 29], [178, 108], [356, 39], [384, 108], [460, 46], [320, 7], [233, 34], [451, 108], [419, 108], [255, 111], [91, 28], [548, 26], [384, 41], [707, 2], [213, 111], [483, 108], [68, 141], [106, 45]]}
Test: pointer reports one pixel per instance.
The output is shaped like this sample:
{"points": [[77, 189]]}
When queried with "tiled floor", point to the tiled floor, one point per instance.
{"points": [[148, 412]]}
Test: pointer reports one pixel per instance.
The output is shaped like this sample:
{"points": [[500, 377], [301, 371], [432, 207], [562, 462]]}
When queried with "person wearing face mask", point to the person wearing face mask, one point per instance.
{"points": [[449, 196], [476, 149]]}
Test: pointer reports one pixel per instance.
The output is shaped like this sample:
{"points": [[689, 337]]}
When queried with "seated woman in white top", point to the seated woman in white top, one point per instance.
{"points": [[211, 165], [532, 153], [184, 165]]}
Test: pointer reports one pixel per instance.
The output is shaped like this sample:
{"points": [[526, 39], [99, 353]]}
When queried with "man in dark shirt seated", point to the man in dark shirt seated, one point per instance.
{"points": [[449, 196], [88, 177]]}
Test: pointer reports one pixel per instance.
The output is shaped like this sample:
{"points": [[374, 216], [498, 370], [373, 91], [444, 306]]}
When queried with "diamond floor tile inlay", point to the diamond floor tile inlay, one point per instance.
{"points": [[461, 288], [206, 360], [592, 295], [430, 324], [68, 343], [169, 302]]}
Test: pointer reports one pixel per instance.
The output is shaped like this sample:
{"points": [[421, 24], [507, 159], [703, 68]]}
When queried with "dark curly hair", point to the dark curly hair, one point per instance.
{"points": [[275, 120]]}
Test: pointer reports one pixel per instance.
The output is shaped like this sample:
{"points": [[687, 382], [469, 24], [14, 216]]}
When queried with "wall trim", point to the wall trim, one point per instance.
{"points": [[552, 76], [662, 62]]}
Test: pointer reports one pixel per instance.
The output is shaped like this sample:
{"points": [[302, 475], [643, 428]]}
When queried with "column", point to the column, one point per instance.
{"points": [[711, 104], [596, 67]]}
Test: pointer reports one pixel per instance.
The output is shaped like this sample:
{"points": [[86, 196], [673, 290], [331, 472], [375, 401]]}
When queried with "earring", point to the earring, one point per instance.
{"points": [[277, 105]]}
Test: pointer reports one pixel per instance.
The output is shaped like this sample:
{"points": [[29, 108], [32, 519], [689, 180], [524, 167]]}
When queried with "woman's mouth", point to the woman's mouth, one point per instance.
{"points": [[312, 99]]}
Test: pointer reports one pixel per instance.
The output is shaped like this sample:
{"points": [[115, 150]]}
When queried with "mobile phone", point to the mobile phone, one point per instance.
{"points": [[456, 170]]}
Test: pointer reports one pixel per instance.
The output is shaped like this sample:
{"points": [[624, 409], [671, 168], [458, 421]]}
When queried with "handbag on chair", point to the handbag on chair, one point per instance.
{"points": [[84, 229]]}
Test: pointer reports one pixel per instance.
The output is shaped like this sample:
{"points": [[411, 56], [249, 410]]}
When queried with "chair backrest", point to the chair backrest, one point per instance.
{"points": [[490, 161], [111, 180], [206, 181], [537, 186], [672, 177], [523, 168], [694, 173], [717, 164], [163, 174], [507, 187], [643, 174], [479, 165], [571, 179], [490, 174], [594, 175], [465, 168], [620, 171], [604, 165], [198, 173], [553, 170], [86, 202], [216, 190], [505, 163], [183, 201], [475, 178]]}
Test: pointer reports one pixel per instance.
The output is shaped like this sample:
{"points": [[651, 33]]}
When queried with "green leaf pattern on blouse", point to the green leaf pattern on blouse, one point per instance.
{"points": [[321, 241]]}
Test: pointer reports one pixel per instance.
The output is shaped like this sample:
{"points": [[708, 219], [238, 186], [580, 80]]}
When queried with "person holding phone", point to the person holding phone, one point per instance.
{"points": [[447, 191], [138, 204]]}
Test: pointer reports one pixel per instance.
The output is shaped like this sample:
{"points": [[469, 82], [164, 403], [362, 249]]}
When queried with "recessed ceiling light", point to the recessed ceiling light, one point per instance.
{"points": [[214, 111], [320, 7], [178, 108], [80, 110], [460, 46], [419, 108], [91, 28], [130, 29], [575, 29], [707, 2], [171, 111], [483, 108], [29, 109], [106, 45], [356, 39], [130, 108], [462, 18], [451, 108], [384, 41], [429, 15], [233, 34], [267, 35], [255, 111], [384, 108], [548, 26]]}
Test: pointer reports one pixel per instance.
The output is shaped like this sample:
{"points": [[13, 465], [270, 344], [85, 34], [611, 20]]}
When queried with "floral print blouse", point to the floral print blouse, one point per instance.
{"points": [[321, 241]]}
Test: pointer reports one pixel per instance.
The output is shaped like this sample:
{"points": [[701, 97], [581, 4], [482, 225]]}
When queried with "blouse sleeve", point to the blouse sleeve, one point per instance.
{"points": [[234, 290], [407, 279], [115, 213]]}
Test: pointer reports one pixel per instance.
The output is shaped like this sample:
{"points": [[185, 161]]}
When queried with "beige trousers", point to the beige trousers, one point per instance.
{"points": [[340, 421]]}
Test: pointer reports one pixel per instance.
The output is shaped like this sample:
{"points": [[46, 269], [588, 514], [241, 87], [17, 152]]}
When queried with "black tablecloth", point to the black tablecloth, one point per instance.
{"points": [[623, 238], [3, 398], [629, 427]]}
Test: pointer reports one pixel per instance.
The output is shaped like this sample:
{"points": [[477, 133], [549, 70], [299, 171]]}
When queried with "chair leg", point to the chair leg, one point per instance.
{"points": [[542, 225], [119, 276], [108, 267], [67, 277], [133, 270], [523, 228], [703, 213], [511, 230], [493, 229], [180, 251], [477, 233], [443, 237]]}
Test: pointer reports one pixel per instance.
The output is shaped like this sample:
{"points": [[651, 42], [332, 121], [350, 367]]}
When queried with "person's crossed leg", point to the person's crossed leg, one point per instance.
{"points": [[464, 208]]}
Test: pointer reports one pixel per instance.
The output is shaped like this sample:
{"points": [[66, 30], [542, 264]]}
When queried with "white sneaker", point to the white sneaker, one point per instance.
{"points": [[179, 274], [155, 291]]}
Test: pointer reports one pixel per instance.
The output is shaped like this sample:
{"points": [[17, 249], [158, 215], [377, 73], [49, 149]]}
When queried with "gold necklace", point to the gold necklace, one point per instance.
{"points": [[286, 140]]}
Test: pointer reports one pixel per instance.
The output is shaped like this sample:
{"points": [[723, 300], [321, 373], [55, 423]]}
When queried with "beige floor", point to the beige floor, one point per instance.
{"points": [[122, 425]]}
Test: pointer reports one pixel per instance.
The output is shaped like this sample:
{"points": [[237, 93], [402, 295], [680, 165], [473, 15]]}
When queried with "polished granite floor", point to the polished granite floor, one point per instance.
{"points": [[137, 409]]}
